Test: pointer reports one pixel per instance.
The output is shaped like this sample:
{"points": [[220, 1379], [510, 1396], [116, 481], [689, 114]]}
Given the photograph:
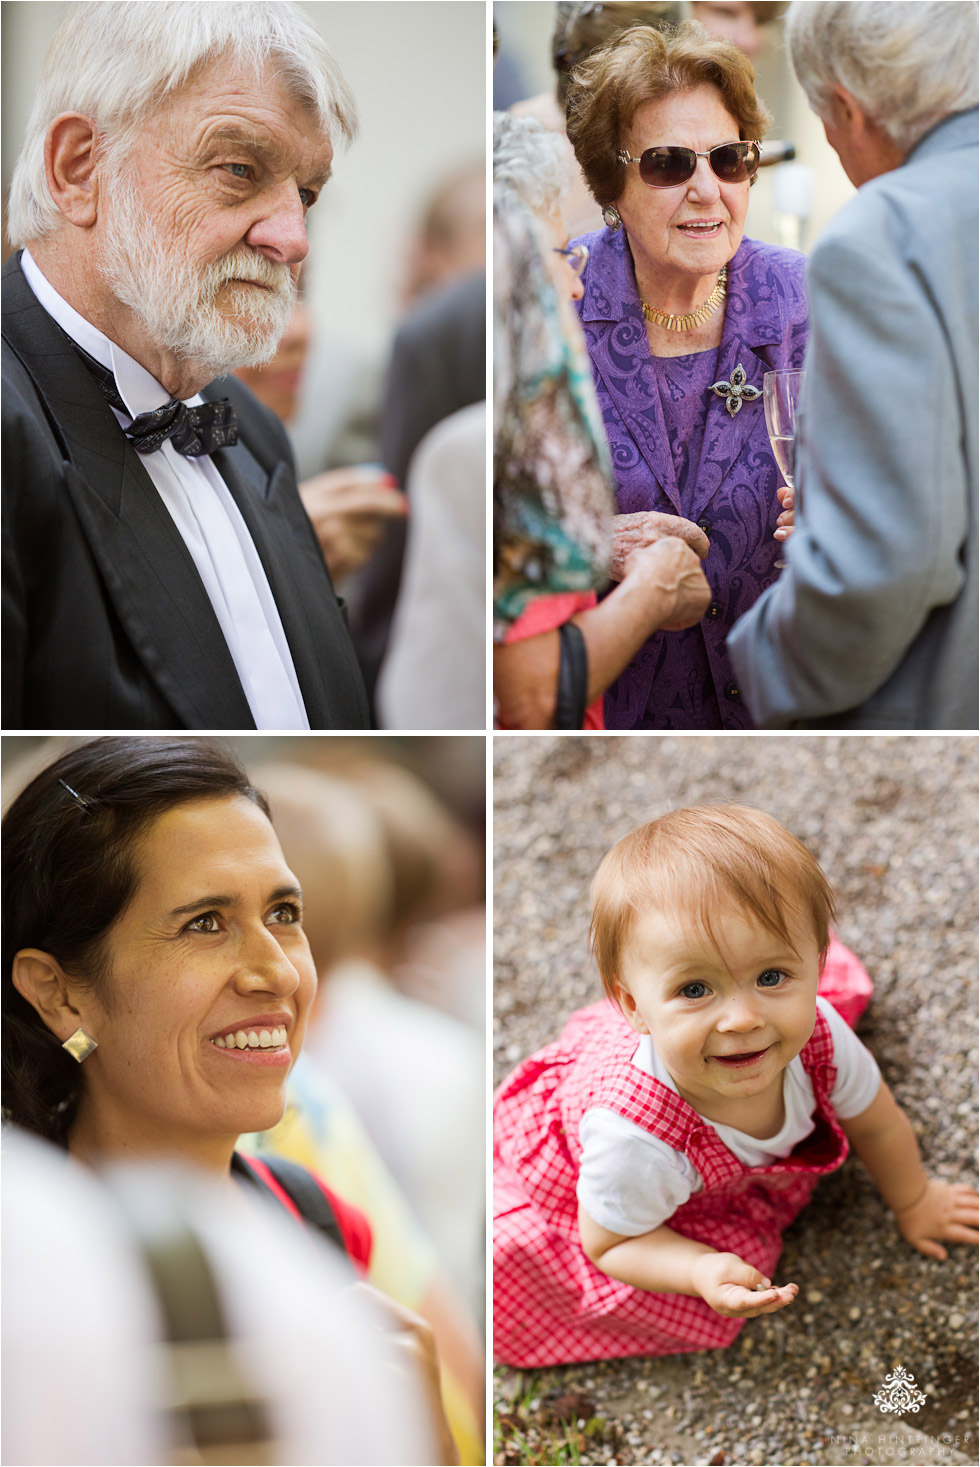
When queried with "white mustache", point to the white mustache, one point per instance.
{"points": [[253, 269]]}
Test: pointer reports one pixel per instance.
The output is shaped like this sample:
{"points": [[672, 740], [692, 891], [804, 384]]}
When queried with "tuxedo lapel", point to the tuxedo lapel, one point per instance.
{"points": [[148, 572], [292, 563]]}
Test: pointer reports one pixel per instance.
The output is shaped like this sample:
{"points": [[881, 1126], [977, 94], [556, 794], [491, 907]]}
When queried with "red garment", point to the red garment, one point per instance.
{"points": [[551, 1304], [355, 1230], [547, 614]]}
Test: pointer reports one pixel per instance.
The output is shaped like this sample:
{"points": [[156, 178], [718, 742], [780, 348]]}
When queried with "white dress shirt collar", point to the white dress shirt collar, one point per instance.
{"points": [[138, 388]]}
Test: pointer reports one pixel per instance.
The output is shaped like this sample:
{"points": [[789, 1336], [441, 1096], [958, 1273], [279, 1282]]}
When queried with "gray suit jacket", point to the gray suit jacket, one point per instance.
{"points": [[873, 624]]}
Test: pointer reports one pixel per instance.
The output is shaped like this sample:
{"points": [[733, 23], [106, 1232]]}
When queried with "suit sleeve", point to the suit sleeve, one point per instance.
{"points": [[882, 514], [16, 454]]}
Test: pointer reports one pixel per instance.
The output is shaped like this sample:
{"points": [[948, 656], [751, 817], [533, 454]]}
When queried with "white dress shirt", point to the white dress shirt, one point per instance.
{"points": [[210, 524]]}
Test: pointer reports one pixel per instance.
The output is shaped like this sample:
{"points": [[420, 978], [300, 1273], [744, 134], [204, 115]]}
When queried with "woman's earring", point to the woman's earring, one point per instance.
{"points": [[80, 1045], [610, 215]]}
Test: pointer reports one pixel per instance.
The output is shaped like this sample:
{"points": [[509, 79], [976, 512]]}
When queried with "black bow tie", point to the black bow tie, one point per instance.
{"points": [[194, 430]]}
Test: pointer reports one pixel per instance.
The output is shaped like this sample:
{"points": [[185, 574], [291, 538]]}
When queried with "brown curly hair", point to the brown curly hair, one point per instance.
{"points": [[643, 65]]}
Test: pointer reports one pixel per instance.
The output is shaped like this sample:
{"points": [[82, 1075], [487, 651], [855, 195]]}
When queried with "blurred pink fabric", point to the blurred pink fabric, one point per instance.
{"points": [[547, 614]]}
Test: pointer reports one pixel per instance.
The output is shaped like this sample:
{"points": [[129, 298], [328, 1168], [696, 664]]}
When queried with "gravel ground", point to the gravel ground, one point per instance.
{"points": [[894, 823]]}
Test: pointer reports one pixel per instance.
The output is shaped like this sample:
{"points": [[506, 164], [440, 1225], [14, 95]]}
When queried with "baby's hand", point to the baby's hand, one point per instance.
{"points": [[731, 1287], [945, 1210]]}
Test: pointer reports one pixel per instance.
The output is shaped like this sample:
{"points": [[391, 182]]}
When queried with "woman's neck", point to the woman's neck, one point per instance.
{"points": [[96, 1142], [676, 294]]}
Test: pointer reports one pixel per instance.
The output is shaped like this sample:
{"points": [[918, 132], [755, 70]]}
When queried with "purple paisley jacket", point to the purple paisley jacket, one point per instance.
{"points": [[684, 679]]}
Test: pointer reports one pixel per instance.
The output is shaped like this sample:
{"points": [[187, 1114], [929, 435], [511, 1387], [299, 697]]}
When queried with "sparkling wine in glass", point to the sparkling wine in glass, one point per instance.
{"points": [[780, 395]]}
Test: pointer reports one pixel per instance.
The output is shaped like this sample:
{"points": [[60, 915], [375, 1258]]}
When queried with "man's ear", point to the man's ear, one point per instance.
{"points": [[844, 106], [40, 979], [70, 168], [627, 1003]]}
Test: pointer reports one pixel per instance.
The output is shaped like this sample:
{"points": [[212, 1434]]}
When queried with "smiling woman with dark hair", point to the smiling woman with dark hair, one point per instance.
{"points": [[147, 914], [157, 980]]}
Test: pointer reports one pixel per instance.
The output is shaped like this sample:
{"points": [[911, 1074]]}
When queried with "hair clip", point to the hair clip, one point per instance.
{"points": [[85, 804]]}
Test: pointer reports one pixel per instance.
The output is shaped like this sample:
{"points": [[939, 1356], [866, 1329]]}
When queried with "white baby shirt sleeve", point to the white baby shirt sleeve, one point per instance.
{"points": [[629, 1181], [858, 1076]]}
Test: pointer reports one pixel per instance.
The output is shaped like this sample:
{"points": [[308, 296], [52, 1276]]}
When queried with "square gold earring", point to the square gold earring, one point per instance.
{"points": [[80, 1045]]}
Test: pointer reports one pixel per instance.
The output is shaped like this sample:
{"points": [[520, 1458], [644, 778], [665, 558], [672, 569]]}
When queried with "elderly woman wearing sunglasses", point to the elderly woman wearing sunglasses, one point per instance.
{"points": [[683, 315]]}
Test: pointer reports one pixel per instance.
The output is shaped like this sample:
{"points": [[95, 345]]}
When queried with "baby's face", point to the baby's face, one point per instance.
{"points": [[726, 1020]]}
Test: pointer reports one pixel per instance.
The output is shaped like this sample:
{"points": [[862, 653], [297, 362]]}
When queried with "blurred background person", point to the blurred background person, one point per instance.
{"points": [[450, 238], [390, 1097], [437, 368], [555, 648], [348, 506], [578, 29], [172, 1360], [740, 21], [874, 622], [430, 675]]}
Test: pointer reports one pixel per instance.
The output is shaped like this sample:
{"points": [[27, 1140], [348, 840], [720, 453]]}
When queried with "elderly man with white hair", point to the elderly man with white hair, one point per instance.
{"points": [[159, 569], [873, 624]]}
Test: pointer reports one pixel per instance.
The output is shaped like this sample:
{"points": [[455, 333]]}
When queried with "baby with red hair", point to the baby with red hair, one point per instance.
{"points": [[647, 1162]]}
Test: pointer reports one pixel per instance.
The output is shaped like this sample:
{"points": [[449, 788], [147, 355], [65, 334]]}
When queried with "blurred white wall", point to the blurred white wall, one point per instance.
{"points": [[418, 71], [525, 29]]}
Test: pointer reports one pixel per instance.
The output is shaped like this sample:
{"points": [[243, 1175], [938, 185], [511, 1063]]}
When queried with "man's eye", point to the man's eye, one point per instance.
{"points": [[307, 197], [244, 167]]}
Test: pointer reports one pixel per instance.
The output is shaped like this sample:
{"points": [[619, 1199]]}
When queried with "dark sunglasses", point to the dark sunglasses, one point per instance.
{"points": [[667, 166]]}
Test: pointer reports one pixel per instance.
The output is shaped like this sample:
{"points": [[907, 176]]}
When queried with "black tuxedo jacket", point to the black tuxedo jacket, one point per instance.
{"points": [[106, 623]]}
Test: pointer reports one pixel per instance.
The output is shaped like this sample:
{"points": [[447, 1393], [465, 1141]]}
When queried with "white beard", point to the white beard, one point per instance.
{"points": [[176, 300]]}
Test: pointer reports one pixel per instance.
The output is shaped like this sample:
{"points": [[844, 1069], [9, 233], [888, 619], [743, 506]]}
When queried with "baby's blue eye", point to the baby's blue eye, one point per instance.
{"points": [[693, 990], [771, 978]]}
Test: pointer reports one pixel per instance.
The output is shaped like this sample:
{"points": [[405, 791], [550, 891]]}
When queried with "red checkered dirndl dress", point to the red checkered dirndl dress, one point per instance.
{"points": [[551, 1305]]}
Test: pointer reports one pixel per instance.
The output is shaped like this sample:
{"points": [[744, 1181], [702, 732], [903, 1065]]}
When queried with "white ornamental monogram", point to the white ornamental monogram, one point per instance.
{"points": [[899, 1393]]}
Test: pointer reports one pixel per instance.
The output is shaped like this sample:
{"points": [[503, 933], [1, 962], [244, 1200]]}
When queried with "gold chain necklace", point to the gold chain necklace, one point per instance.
{"points": [[694, 318]]}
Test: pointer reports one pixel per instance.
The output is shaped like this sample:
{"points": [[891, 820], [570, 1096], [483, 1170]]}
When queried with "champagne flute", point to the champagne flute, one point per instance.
{"points": [[780, 395]]}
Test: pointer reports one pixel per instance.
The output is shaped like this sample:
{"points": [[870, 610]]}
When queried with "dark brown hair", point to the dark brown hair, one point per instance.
{"points": [[71, 844], [700, 860], [644, 65]]}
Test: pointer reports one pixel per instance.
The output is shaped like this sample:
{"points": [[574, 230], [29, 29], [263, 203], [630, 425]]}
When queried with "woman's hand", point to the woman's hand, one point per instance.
{"points": [[415, 1345], [672, 567], [349, 508], [633, 531], [785, 523], [728, 1284], [945, 1210]]}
